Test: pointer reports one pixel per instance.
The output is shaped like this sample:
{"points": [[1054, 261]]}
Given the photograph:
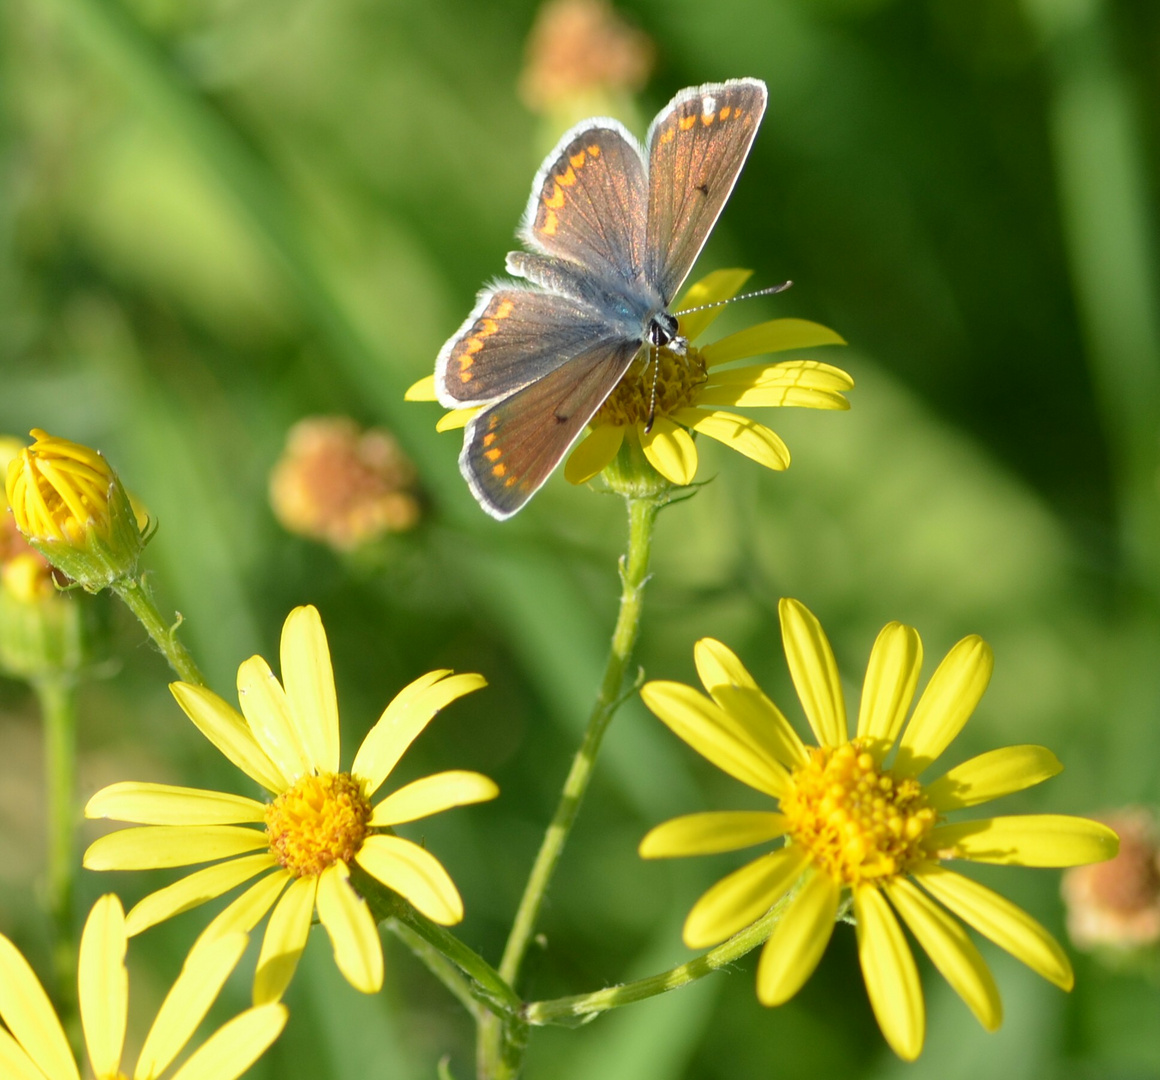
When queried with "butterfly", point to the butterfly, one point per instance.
{"points": [[613, 230]]}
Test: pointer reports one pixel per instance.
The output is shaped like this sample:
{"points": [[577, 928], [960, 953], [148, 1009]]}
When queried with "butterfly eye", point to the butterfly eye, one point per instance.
{"points": [[662, 328]]}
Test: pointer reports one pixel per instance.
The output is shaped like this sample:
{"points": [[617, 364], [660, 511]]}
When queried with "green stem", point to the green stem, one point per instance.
{"points": [[439, 966], [580, 1008], [642, 514], [57, 698], [139, 600], [501, 1042]]}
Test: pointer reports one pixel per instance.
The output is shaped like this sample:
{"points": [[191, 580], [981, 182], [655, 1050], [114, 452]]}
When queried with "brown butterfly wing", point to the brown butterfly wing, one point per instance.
{"points": [[511, 448], [697, 146]]}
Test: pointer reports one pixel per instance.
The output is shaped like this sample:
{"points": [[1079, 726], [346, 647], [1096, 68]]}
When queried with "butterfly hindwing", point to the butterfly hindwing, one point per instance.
{"points": [[512, 338], [589, 200], [696, 146], [511, 448]]}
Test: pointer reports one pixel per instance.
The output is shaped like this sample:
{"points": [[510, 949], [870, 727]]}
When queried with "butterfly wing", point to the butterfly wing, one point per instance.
{"points": [[513, 337], [696, 145], [589, 201], [511, 448]]}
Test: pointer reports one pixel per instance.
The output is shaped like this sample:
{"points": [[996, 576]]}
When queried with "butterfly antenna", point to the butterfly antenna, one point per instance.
{"points": [[744, 296], [652, 397]]}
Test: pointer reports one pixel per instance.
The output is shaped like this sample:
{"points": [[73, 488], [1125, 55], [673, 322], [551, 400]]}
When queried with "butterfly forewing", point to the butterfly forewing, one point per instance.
{"points": [[697, 146], [588, 202], [512, 338], [511, 448]]}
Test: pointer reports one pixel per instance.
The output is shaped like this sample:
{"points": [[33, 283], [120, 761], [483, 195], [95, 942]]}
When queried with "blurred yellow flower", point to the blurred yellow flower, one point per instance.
{"points": [[34, 1046], [694, 392], [71, 506], [855, 827], [320, 822]]}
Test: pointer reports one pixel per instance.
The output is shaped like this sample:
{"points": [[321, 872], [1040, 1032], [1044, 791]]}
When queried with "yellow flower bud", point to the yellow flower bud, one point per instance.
{"points": [[72, 508]]}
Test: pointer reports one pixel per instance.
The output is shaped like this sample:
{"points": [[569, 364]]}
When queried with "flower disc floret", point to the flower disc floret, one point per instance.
{"points": [[318, 822], [658, 383], [858, 821]]}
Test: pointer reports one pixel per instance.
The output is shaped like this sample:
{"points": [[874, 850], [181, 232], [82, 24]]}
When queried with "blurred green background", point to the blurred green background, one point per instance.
{"points": [[220, 216]]}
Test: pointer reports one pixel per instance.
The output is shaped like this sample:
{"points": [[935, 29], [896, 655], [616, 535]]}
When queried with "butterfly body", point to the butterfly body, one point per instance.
{"points": [[613, 230]]}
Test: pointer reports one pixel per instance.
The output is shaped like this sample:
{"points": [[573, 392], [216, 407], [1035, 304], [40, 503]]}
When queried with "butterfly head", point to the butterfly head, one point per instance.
{"points": [[662, 329]]}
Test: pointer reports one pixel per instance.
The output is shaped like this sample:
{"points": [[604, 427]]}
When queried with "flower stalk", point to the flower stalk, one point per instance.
{"points": [[138, 597]]}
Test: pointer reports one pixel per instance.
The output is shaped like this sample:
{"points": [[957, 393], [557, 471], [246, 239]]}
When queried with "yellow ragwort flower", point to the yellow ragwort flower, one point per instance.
{"points": [[695, 392], [34, 1046], [855, 826], [71, 506], [319, 822]]}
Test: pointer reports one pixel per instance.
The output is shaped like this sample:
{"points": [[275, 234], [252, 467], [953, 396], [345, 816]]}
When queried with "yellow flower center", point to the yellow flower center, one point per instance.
{"points": [[856, 820], [676, 378], [319, 821]]}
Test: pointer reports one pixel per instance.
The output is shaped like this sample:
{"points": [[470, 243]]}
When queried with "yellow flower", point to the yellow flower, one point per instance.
{"points": [[319, 822], [72, 508], [859, 828], [691, 390], [34, 1046]]}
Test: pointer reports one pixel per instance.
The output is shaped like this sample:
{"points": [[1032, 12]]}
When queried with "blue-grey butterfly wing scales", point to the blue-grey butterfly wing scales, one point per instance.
{"points": [[514, 336], [589, 200], [697, 146], [512, 447]]}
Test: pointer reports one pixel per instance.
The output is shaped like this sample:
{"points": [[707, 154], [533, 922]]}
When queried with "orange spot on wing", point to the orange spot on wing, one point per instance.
{"points": [[504, 309], [577, 160], [498, 470], [487, 327], [668, 135], [594, 150], [489, 438], [492, 422], [465, 376], [473, 346], [494, 454], [567, 180], [687, 122], [708, 118], [465, 361], [550, 223], [510, 480], [556, 199], [724, 114]]}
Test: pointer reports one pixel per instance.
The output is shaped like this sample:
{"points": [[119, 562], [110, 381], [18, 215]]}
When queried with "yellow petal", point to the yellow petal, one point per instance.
{"points": [[422, 390], [996, 918], [711, 832], [228, 731], [163, 804], [103, 985], [1027, 840], [432, 795], [991, 775], [154, 846], [286, 935], [414, 874], [767, 337], [234, 1047], [354, 935], [244, 913], [29, 1015], [946, 704], [742, 897], [195, 889], [267, 711], [798, 941], [814, 672], [888, 689], [711, 289], [950, 950], [454, 419], [717, 736], [809, 374], [15, 1064], [202, 976], [739, 433], [594, 453], [403, 719], [772, 397], [891, 977], [309, 679], [736, 691], [671, 451]]}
